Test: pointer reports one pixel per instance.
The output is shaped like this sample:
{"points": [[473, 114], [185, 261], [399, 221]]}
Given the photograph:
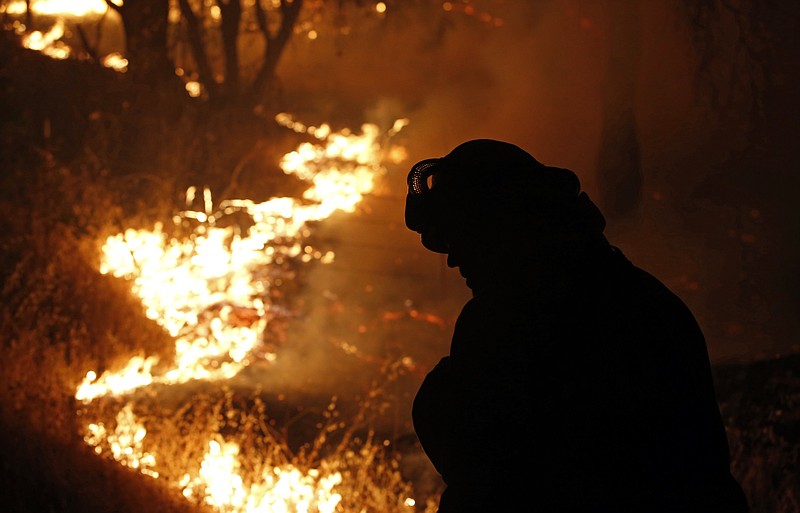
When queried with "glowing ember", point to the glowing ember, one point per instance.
{"points": [[116, 62], [210, 290], [194, 88]]}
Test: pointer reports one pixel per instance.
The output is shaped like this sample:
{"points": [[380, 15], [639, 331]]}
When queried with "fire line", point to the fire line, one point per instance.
{"points": [[210, 292]]}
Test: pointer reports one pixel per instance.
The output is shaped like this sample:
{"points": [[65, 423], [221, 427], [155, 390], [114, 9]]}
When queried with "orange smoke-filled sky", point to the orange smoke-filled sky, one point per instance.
{"points": [[538, 81]]}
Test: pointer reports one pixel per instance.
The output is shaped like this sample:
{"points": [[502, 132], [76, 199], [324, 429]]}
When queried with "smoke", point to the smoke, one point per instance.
{"points": [[539, 80]]}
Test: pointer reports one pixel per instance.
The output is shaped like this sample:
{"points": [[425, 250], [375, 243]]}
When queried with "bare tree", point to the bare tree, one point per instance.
{"points": [[275, 36], [276, 42]]}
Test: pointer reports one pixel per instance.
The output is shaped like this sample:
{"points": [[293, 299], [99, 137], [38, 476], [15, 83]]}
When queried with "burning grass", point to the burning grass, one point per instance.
{"points": [[207, 294], [221, 448]]}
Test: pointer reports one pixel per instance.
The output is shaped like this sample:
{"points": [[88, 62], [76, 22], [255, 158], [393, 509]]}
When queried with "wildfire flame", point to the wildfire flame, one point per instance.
{"points": [[210, 292], [124, 443], [219, 483], [77, 8], [48, 42]]}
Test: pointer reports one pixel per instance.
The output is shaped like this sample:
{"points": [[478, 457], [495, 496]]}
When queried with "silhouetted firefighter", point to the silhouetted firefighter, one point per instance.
{"points": [[575, 381]]}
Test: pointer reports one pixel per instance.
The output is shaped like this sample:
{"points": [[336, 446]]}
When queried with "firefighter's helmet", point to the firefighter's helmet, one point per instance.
{"points": [[483, 175]]}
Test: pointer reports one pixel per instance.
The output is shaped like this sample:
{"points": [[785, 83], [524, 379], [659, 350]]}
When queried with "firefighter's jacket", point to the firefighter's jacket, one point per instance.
{"points": [[585, 391]]}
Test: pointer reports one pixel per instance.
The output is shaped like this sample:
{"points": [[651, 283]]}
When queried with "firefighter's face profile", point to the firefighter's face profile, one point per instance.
{"points": [[467, 243]]}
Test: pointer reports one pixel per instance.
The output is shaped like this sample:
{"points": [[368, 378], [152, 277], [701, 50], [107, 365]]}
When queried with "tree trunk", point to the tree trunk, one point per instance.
{"points": [[195, 35], [146, 23], [231, 11], [28, 15]]}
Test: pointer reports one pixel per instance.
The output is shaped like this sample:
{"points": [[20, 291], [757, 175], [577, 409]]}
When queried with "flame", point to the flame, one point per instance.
{"points": [[136, 373], [48, 42], [218, 478], [125, 443], [210, 290], [76, 8], [286, 488]]}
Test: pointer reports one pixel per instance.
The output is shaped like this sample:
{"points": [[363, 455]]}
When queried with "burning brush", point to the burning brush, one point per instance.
{"points": [[211, 291]]}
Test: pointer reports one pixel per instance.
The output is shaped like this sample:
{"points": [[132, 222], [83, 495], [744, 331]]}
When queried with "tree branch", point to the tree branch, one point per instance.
{"points": [[114, 7], [290, 11], [98, 35], [261, 18], [198, 48], [28, 15], [231, 12]]}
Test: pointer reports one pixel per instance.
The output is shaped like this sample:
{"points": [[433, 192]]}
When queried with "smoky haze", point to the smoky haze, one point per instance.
{"points": [[540, 80]]}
